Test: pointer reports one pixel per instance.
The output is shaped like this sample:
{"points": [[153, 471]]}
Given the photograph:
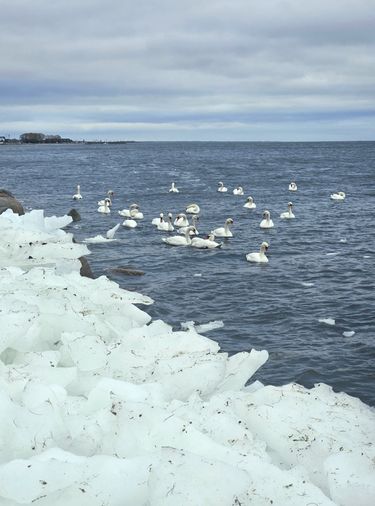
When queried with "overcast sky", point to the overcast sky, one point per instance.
{"points": [[188, 70]]}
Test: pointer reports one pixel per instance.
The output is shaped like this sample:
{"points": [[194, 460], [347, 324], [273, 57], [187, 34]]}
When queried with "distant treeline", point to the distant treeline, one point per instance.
{"points": [[38, 138]]}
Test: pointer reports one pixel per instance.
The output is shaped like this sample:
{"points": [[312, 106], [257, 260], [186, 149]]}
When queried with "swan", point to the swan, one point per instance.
{"points": [[110, 194], [132, 212], [208, 243], [166, 226], [338, 196], [266, 222], [250, 204], [288, 214], [292, 187], [111, 232], [77, 196], [192, 209], [179, 240], [173, 189], [181, 221], [221, 187], [129, 223], [238, 191], [224, 231], [194, 220], [259, 257], [105, 207], [156, 221]]}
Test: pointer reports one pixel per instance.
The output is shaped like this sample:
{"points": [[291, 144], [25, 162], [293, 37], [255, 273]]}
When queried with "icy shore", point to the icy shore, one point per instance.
{"points": [[99, 405]]}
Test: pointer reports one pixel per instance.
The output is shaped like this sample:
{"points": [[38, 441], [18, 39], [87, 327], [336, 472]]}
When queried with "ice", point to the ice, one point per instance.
{"points": [[327, 321], [99, 404], [348, 333], [307, 284]]}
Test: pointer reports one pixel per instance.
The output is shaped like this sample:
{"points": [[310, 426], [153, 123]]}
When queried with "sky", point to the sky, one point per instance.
{"points": [[215, 70]]}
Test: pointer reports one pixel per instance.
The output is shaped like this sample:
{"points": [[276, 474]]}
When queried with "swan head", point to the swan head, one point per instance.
{"points": [[266, 214], [229, 221], [110, 193], [250, 200], [134, 206], [290, 204], [195, 218], [161, 215], [220, 183], [107, 200], [170, 216], [264, 246], [342, 194]]}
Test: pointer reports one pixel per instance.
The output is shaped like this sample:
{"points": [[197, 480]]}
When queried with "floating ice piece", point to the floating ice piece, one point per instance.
{"points": [[327, 321], [348, 333], [307, 284], [206, 327]]}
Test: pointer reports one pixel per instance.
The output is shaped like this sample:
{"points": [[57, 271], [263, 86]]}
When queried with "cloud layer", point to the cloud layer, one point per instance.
{"points": [[213, 70]]}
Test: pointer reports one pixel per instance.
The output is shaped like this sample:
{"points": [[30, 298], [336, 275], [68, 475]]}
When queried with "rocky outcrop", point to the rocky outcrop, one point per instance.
{"points": [[8, 201]]}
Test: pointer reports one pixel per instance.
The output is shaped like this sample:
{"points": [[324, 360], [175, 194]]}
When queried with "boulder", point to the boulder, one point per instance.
{"points": [[8, 201]]}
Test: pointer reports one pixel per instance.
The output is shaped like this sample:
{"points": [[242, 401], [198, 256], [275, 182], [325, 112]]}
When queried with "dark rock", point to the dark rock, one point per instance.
{"points": [[85, 268], [74, 214], [126, 270], [8, 201]]}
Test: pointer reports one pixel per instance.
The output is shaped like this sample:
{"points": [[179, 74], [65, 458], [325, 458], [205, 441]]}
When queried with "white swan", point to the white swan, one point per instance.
{"points": [[338, 196], [194, 220], [208, 243], [112, 231], [173, 189], [259, 257], [224, 231], [77, 196], [181, 221], [179, 240], [238, 191], [250, 204], [288, 214], [192, 209], [165, 226], [129, 223], [105, 207], [266, 222], [132, 212], [292, 187], [156, 221], [110, 194], [221, 187]]}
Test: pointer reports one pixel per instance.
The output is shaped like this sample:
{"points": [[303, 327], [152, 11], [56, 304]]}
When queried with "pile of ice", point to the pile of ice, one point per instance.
{"points": [[101, 406]]}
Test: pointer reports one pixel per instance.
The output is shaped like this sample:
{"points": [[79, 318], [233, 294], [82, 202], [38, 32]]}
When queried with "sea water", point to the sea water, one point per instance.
{"points": [[321, 264]]}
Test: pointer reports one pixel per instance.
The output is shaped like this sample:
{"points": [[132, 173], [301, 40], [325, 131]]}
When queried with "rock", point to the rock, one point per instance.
{"points": [[85, 268], [127, 270], [8, 201], [74, 214]]}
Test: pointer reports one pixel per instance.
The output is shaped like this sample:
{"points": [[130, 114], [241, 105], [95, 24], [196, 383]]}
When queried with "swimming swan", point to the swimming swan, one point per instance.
{"points": [[132, 212], [129, 223], [156, 221], [224, 231], [208, 243], [338, 196], [292, 187], [173, 189], [288, 214], [194, 220], [112, 231], [179, 240], [105, 207], [110, 236], [259, 257], [165, 226], [181, 221], [110, 194], [238, 191], [77, 196], [192, 209], [250, 204], [266, 222], [221, 187]]}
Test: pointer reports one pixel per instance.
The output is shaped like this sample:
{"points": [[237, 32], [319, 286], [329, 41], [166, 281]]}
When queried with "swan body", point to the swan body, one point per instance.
{"points": [[129, 223], [224, 231], [192, 209], [156, 221], [110, 194], [292, 187], [133, 212], [338, 196], [209, 243], [173, 189], [77, 196], [250, 204], [259, 257], [238, 191], [221, 187], [179, 240], [194, 220], [181, 221], [112, 231], [288, 214], [105, 207], [266, 222]]}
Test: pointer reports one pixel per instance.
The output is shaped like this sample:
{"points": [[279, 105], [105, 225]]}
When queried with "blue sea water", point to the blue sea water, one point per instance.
{"points": [[321, 265]]}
